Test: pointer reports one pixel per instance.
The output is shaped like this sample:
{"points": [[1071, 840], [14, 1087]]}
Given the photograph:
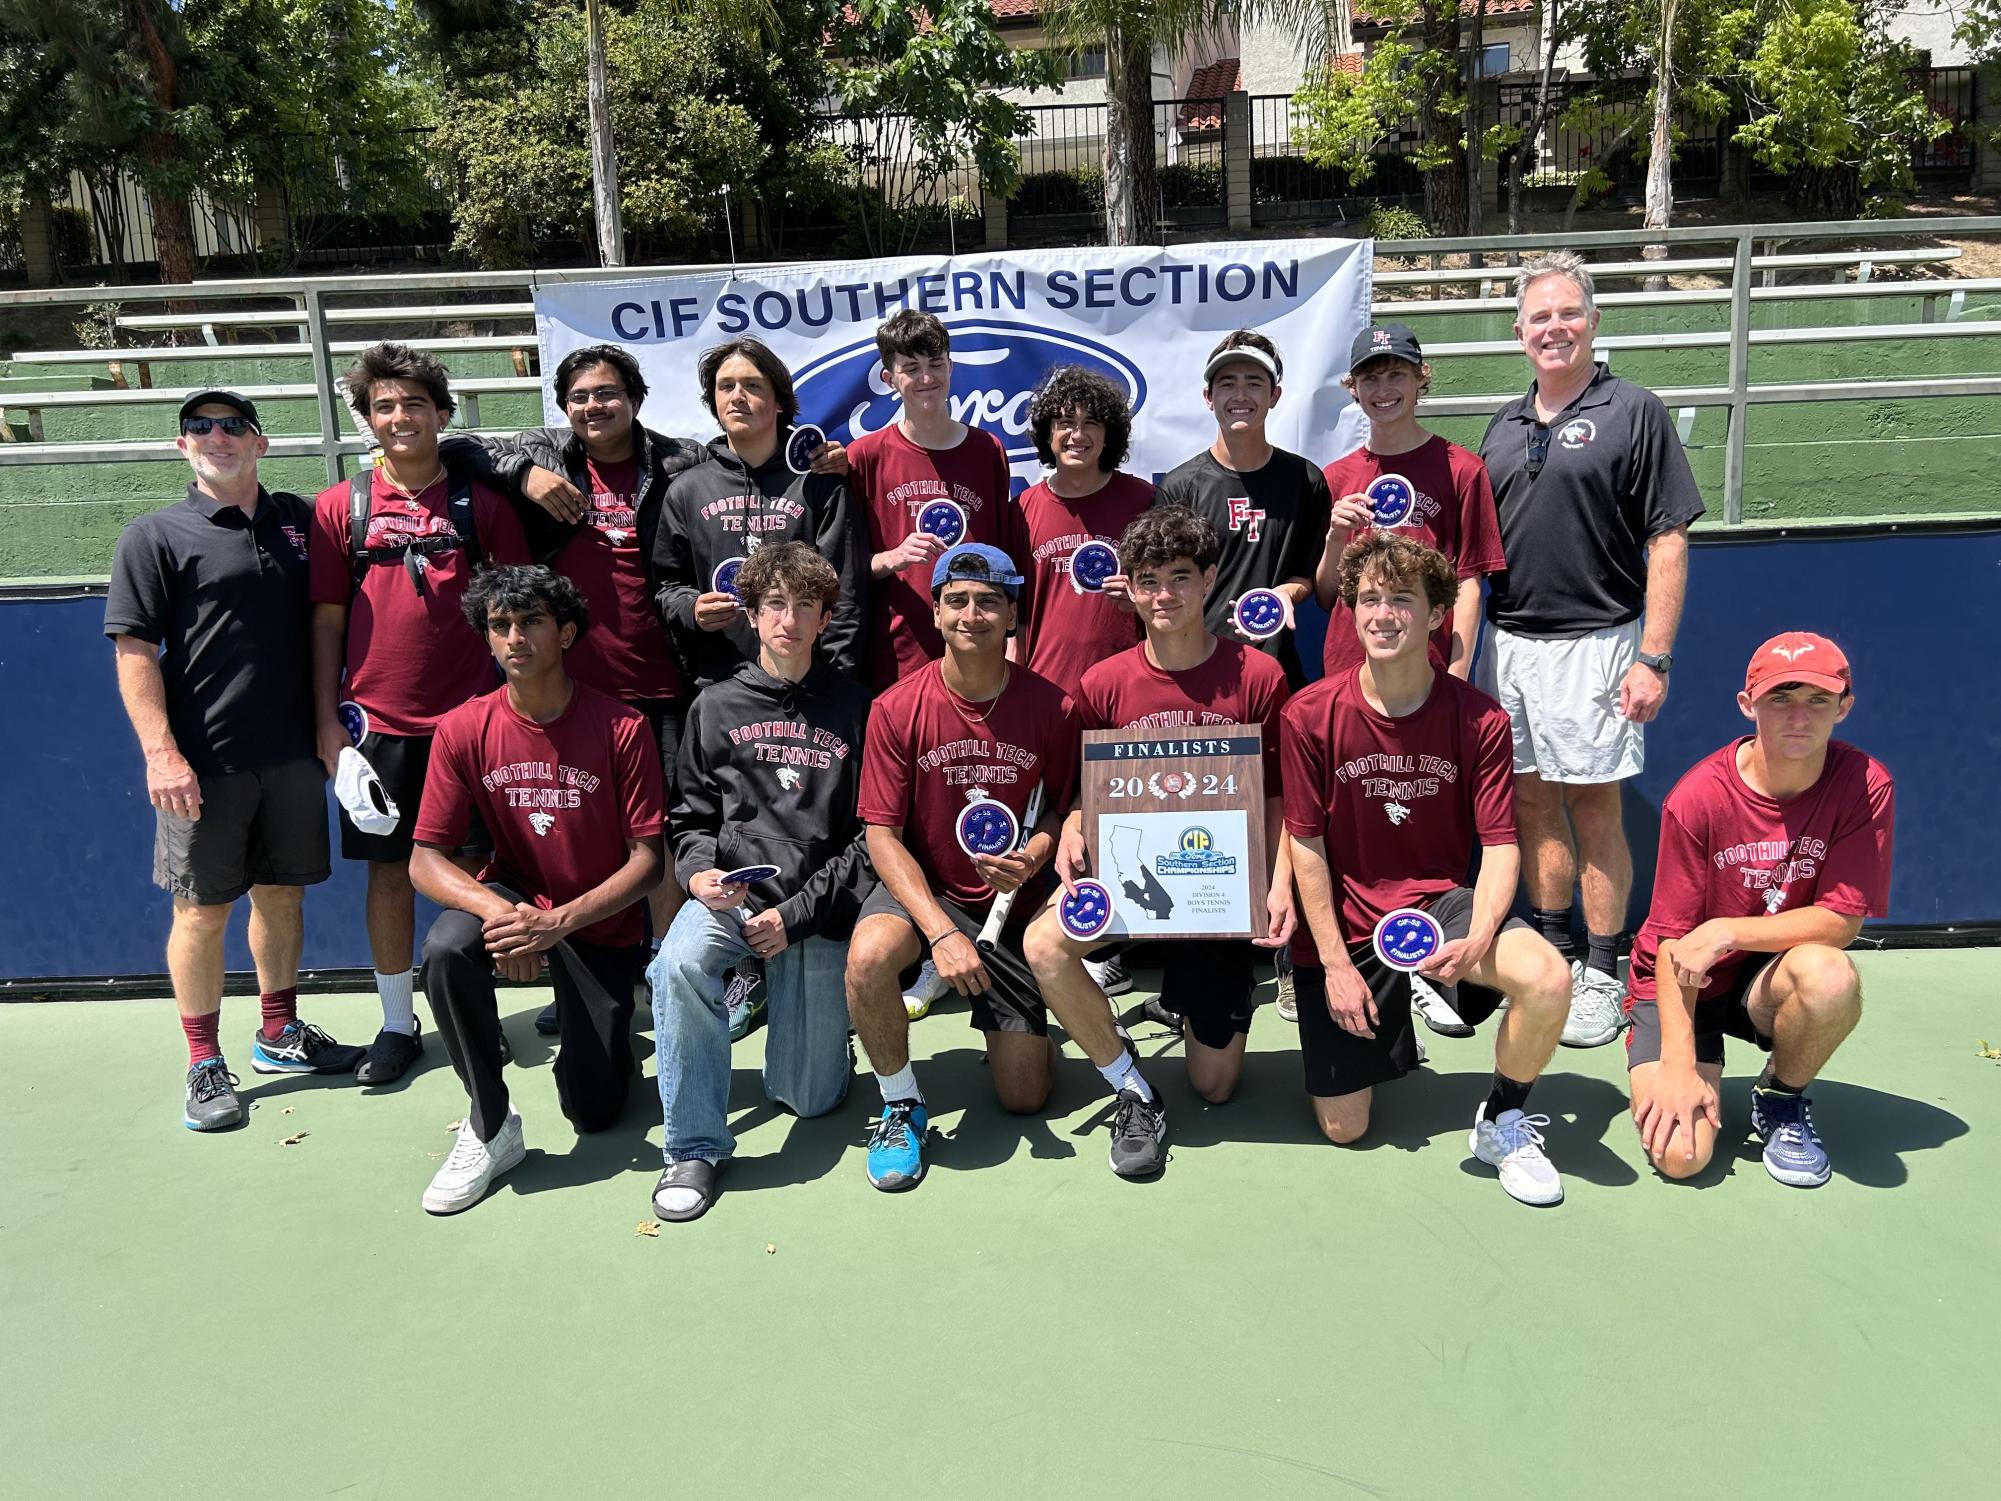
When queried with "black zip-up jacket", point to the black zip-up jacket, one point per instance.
{"points": [[770, 774], [505, 463], [710, 511]]}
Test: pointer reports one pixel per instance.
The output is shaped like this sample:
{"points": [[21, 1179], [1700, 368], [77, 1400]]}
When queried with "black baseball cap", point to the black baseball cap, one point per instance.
{"points": [[242, 405], [1379, 339]]}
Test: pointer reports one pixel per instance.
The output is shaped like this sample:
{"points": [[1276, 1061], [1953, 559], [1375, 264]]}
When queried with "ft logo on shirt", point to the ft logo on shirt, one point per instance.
{"points": [[1246, 518]]}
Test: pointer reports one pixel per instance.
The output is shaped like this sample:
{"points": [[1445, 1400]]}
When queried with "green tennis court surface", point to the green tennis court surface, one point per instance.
{"points": [[229, 1316]]}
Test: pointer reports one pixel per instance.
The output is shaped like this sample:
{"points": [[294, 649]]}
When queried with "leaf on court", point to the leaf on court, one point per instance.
{"points": [[1988, 1050], [770, 1250], [647, 1227], [455, 1125], [294, 1140], [288, 1110]]}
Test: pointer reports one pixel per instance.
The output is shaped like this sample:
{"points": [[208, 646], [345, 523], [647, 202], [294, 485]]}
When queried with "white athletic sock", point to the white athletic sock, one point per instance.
{"points": [[399, 1006], [901, 1085], [1123, 1074]]}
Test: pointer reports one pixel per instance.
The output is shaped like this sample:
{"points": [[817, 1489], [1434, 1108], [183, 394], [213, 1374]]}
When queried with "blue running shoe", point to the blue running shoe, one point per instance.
{"points": [[1793, 1153], [896, 1146], [302, 1048]]}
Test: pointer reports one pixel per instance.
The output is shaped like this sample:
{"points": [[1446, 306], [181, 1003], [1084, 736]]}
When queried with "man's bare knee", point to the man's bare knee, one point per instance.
{"points": [[200, 920], [1678, 1165], [1822, 978], [1342, 1120]]}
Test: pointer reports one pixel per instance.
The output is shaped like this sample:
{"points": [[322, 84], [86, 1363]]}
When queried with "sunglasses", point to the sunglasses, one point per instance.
{"points": [[235, 427], [1538, 449], [602, 395]]}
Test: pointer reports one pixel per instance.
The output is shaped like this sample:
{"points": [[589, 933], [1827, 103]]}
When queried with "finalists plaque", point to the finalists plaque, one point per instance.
{"points": [[1175, 825]]}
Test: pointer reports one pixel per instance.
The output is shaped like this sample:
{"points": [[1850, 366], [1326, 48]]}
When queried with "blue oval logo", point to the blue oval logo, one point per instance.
{"points": [[995, 370]]}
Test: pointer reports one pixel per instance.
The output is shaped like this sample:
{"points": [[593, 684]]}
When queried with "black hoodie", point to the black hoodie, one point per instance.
{"points": [[706, 517], [770, 774]]}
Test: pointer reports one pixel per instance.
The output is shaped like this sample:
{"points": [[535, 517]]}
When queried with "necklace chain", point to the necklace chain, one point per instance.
{"points": [[961, 703]]}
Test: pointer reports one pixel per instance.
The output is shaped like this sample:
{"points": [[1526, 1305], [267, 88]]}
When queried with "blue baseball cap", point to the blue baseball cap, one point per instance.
{"points": [[975, 560]]}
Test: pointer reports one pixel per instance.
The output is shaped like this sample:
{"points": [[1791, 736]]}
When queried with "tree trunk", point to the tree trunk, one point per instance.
{"points": [[173, 225], [1132, 199], [1538, 118], [1660, 154], [173, 238], [1439, 124], [604, 158], [1826, 192], [1475, 158]]}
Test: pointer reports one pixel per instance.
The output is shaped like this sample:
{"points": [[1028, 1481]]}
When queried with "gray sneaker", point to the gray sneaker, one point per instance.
{"points": [[1139, 1136], [1597, 1015], [212, 1103]]}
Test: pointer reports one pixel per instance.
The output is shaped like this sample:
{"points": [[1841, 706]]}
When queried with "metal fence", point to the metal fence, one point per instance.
{"points": [[377, 303], [1286, 187], [1599, 131], [1063, 173], [1954, 97]]}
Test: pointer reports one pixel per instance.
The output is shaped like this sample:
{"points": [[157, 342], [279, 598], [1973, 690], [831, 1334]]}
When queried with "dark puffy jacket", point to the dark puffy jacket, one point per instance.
{"points": [[770, 774], [710, 510]]}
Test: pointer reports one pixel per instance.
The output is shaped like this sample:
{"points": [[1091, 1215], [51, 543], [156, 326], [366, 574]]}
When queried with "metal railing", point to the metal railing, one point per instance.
{"points": [[308, 304]]}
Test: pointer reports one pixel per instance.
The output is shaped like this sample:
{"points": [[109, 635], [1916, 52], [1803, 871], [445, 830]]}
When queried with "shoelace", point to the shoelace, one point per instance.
{"points": [[1794, 1124], [1123, 1124], [1523, 1133], [466, 1151], [212, 1082], [310, 1039], [893, 1130]]}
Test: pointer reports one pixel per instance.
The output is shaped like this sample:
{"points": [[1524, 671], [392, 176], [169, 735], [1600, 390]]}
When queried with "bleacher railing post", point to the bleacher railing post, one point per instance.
{"points": [[1740, 380], [323, 381]]}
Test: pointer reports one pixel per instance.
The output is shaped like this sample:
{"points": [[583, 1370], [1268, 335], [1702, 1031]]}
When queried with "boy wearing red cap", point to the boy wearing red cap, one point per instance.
{"points": [[1772, 852]]}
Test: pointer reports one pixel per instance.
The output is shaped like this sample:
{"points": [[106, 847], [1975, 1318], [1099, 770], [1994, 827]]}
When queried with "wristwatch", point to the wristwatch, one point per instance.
{"points": [[1661, 662]]}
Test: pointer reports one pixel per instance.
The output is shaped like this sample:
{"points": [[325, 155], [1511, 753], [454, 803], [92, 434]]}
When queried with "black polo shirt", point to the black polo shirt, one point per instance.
{"points": [[224, 596], [1575, 535]]}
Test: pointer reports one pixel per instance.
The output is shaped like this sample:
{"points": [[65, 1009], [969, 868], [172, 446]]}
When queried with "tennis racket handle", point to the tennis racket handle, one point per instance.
{"points": [[990, 931]]}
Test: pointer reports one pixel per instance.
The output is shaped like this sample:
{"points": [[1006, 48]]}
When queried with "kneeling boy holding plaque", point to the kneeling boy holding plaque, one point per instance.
{"points": [[1392, 771], [1181, 676]]}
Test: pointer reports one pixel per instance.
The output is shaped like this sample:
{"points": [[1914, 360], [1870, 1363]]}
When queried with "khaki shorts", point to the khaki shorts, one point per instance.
{"points": [[1562, 699]]}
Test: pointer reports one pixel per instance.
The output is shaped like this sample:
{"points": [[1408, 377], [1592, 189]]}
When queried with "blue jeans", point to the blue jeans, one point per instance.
{"points": [[807, 1061]]}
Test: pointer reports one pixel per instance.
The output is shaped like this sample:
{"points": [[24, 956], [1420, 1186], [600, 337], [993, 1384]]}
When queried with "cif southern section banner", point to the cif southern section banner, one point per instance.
{"points": [[1145, 317]]}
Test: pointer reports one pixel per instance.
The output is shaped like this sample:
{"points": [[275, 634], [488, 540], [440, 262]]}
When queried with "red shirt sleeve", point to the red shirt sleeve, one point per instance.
{"points": [[329, 573], [1301, 758], [642, 794], [444, 817], [885, 789], [1855, 882], [1479, 523], [1494, 778], [500, 535], [1681, 879]]}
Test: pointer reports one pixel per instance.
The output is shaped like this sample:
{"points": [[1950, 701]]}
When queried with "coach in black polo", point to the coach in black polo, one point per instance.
{"points": [[1595, 499], [208, 615]]}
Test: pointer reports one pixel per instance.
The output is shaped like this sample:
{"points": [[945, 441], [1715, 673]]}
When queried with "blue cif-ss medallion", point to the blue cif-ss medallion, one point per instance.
{"points": [[724, 581], [1392, 498], [1260, 614], [1407, 938], [1086, 912], [1091, 565], [354, 719], [943, 519], [987, 827], [800, 445]]}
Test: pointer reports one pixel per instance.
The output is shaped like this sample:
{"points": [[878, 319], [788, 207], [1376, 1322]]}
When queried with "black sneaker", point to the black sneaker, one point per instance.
{"points": [[212, 1103], [390, 1056], [545, 1021], [506, 1049], [301, 1048], [1159, 1015], [1139, 1136]]}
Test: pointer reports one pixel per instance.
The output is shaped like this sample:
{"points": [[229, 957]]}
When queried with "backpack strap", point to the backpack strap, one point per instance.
{"points": [[459, 510], [360, 498], [458, 507]]}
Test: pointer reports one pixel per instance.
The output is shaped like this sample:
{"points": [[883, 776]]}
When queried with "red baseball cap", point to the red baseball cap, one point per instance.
{"points": [[1798, 657]]}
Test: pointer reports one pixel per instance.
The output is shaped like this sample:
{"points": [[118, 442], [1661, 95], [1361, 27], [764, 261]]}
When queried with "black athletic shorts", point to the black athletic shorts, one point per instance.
{"points": [[1011, 1002], [257, 828], [1719, 1016], [1338, 1062], [401, 762], [1207, 980], [669, 719]]}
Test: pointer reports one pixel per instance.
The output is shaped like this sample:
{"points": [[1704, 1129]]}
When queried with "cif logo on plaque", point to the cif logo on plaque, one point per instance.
{"points": [[1174, 821]]}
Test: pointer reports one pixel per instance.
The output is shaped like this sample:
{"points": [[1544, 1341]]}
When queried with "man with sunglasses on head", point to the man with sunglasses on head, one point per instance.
{"points": [[208, 614], [1595, 500]]}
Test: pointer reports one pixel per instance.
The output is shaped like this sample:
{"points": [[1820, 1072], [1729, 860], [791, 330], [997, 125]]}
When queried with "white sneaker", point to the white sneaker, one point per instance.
{"points": [[1435, 1011], [927, 991], [1513, 1145], [1597, 1013], [1288, 997], [474, 1164]]}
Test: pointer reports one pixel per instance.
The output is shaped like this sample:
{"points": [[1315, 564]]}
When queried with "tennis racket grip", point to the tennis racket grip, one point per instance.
{"points": [[990, 931]]}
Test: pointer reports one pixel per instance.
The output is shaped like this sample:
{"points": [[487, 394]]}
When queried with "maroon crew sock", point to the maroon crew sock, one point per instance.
{"points": [[203, 1034], [281, 1009]]}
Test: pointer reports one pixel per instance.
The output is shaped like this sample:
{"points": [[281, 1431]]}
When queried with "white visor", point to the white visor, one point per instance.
{"points": [[362, 794]]}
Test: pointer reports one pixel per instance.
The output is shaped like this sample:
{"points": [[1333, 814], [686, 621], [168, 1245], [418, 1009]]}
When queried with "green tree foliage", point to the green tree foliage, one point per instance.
{"points": [[695, 106], [922, 93]]}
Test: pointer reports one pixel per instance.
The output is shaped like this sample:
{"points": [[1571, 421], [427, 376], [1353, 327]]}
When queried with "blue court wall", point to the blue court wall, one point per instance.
{"points": [[76, 897]]}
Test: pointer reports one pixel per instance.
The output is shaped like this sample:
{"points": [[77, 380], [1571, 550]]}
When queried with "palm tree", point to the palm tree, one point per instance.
{"points": [[1129, 31]]}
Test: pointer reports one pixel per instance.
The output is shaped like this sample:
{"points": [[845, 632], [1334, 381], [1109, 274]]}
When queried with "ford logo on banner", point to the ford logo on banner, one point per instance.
{"points": [[995, 370]]}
